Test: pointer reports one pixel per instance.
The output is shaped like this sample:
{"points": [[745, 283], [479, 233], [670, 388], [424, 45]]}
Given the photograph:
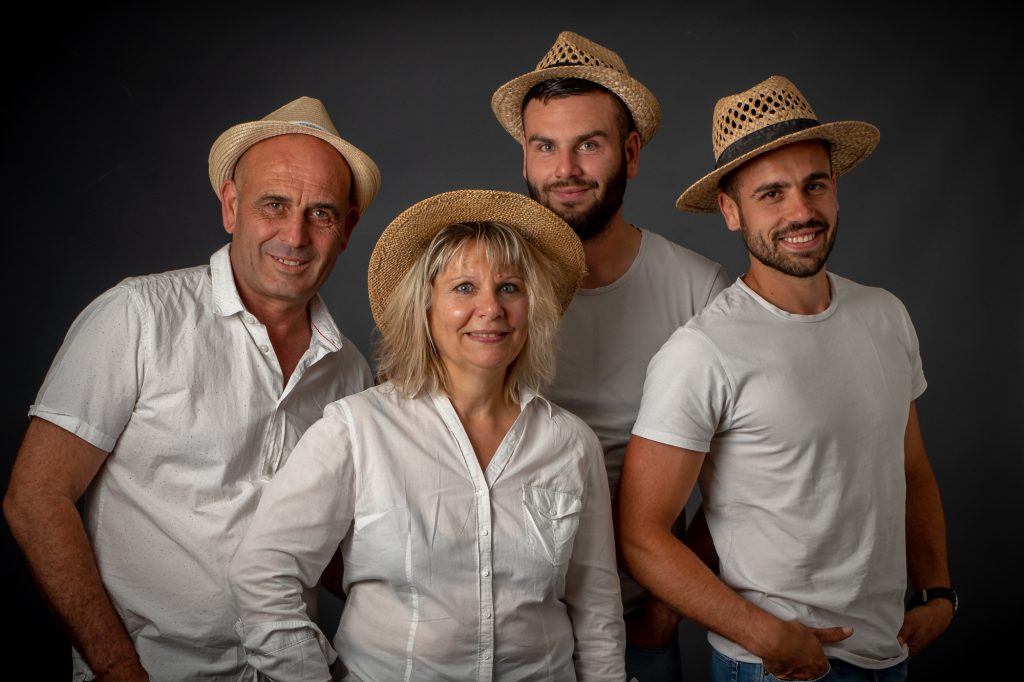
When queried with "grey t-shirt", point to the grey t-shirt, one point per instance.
{"points": [[609, 334]]}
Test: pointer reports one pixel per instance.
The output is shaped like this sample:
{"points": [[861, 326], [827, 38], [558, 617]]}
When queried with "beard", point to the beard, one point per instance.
{"points": [[803, 265], [590, 222]]}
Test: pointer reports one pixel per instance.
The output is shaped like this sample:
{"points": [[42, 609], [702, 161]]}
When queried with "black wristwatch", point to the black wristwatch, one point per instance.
{"points": [[925, 596]]}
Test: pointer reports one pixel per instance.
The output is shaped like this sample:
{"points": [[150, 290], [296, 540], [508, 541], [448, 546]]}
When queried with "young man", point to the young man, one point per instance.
{"points": [[177, 396], [582, 120], [795, 391]]}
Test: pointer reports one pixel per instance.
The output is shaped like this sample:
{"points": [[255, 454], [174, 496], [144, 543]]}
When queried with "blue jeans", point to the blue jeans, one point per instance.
{"points": [[725, 669], [650, 664]]}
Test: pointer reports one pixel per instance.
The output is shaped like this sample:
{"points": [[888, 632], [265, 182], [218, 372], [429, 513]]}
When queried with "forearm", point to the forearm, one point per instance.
{"points": [[678, 577], [50, 533], [925, 522]]}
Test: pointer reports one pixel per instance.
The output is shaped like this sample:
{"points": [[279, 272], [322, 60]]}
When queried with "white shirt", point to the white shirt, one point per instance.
{"points": [[172, 376], [451, 573], [804, 418]]}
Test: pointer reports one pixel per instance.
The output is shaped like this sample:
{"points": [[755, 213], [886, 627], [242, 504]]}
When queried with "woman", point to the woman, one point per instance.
{"points": [[473, 515]]}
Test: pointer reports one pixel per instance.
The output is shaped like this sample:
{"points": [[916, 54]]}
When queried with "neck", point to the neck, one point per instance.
{"points": [[486, 414], [289, 330], [797, 295], [610, 253]]}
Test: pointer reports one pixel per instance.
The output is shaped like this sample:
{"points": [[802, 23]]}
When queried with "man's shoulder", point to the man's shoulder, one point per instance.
{"points": [[159, 285], [857, 294], [663, 251]]}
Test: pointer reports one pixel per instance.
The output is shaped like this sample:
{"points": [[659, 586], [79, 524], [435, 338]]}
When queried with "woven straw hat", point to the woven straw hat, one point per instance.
{"points": [[770, 115], [409, 235], [573, 56], [305, 116]]}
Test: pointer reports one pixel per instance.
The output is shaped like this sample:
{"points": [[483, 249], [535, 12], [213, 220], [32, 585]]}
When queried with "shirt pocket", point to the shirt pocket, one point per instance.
{"points": [[551, 518]]}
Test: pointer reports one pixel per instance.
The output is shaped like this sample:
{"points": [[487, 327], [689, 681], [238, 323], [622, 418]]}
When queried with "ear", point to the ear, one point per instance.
{"points": [[351, 218], [229, 205], [632, 150], [730, 211], [522, 140]]}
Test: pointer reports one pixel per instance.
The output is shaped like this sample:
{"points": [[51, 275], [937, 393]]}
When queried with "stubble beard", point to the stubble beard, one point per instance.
{"points": [[769, 254], [591, 222]]}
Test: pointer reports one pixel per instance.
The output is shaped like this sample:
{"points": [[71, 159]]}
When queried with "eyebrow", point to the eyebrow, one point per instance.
{"points": [[576, 141], [768, 186]]}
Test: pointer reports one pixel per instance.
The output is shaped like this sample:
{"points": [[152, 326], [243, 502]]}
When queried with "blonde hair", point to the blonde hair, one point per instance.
{"points": [[406, 356]]}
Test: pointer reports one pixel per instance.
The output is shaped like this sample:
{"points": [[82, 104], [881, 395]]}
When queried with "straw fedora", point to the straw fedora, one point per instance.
{"points": [[305, 116], [770, 115], [409, 234], [573, 56]]}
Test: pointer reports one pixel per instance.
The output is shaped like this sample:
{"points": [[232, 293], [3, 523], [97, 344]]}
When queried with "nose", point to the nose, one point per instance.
{"points": [[294, 229], [799, 208], [567, 165], [488, 306]]}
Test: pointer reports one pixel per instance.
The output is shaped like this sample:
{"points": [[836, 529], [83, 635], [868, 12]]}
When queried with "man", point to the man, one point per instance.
{"points": [[795, 391], [582, 119], [177, 396]]}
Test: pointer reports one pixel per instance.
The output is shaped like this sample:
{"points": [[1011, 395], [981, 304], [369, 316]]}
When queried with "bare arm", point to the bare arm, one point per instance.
{"points": [[657, 479], [52, 470], [926, 541]]}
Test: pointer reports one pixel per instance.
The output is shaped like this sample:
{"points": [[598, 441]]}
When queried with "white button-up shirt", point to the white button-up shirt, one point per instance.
{"points": [[169, 374], [451, 572]]}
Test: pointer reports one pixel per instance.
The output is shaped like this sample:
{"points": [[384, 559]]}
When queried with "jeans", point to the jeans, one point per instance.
{"points": [[649, 664], [725, 669]]}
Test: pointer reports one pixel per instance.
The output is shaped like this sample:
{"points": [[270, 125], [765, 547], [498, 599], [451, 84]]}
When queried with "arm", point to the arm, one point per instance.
{"points": [[304, 513], [926, 542], [657, 479], [52, 471], [593, 596]]}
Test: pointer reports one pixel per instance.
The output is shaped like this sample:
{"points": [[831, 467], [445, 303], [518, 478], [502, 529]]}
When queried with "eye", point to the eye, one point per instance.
{"points": [[464, 288], [544, 147], [588, 146], [509, 288]]}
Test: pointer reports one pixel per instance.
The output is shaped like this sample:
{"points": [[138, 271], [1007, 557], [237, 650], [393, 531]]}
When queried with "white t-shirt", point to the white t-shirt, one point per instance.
{"points": [[803, 417], [172, 376], [451, 572], [608, 336]]}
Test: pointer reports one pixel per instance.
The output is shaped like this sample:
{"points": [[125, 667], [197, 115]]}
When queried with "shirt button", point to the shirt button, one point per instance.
{"points": [[264, 348], [487, 657], [250, 319], [486, 532], [487, 614], [485, 572]]}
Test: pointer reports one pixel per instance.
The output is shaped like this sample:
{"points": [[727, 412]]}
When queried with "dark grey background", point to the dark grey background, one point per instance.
{"points": [[108, 118]]}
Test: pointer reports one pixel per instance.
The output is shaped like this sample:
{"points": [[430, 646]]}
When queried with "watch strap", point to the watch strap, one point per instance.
{"points": [[932, 593]]}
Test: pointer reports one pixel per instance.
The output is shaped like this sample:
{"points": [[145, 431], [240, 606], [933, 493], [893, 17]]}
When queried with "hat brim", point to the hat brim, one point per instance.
{"points": [[408, 236], [236, 140], [851, 142], [507, 101]]}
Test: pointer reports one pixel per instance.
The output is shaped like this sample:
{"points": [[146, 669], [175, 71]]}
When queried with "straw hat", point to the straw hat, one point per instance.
{"points": [[770, 115], [409, 235], [305, 116], [573, 56]]}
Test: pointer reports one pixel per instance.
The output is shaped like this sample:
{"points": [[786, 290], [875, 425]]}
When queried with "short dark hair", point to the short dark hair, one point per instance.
{"points": [[556, 88], [727, 183]]}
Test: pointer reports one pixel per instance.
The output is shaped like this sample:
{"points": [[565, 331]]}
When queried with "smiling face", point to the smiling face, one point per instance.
{"points": [[288, 212], [478, 316], [575, 159], [784, 203]]}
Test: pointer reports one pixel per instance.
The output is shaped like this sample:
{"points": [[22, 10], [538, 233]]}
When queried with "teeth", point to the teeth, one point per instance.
{"points": [[802, 239], [288, 262]]}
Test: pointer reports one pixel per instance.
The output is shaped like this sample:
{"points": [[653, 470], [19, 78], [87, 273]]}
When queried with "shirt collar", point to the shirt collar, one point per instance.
{"points": [[228, 302]]}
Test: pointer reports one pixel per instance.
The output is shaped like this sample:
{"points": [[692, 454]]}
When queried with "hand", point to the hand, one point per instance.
{"points": [[797, 653], [924, 623]]}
